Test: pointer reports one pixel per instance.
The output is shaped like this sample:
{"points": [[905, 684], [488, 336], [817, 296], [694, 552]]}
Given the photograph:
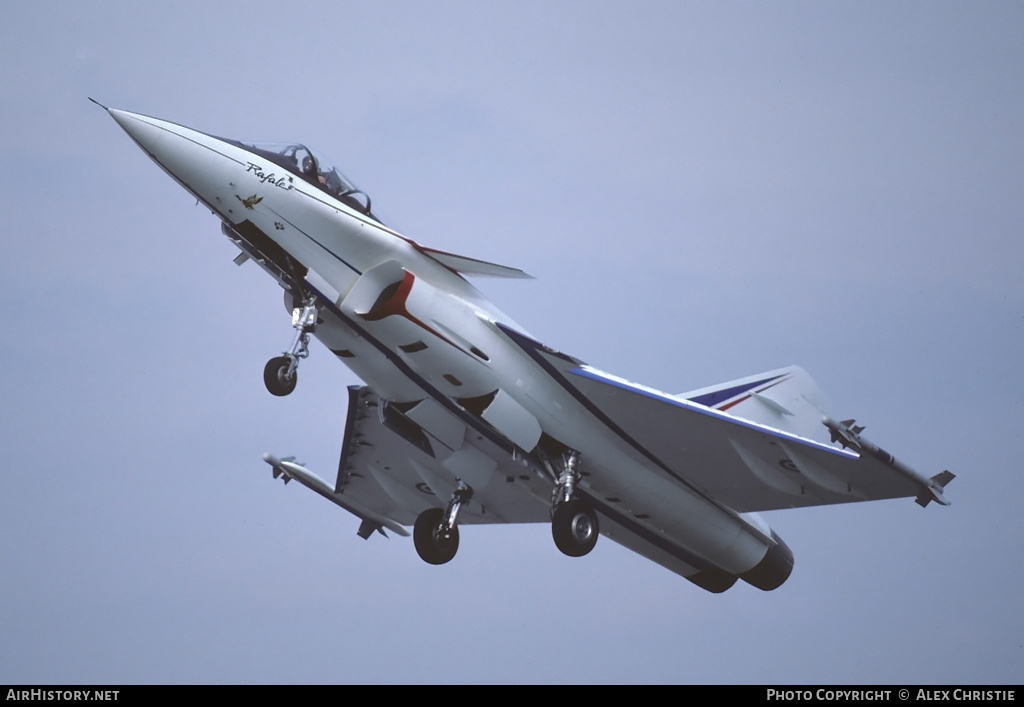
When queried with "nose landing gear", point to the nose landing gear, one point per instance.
{"points": [[280, 376], [282, 372]]}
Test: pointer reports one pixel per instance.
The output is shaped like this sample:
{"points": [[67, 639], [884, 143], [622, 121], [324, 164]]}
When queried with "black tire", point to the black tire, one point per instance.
{"points": [[574, 528], [432, 549], [275, 376]]}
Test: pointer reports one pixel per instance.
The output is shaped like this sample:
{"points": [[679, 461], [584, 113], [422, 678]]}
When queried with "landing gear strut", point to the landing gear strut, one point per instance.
{"points": [[282, 372], [436, 534], [573, 522]]}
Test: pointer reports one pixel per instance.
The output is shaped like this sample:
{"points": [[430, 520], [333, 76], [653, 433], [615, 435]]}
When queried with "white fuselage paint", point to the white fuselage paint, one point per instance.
{"points": [[340, 246]]}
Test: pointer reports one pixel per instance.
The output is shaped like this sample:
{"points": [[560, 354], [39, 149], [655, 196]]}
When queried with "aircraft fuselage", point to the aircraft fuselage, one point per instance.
{"points": [[414, 329]]}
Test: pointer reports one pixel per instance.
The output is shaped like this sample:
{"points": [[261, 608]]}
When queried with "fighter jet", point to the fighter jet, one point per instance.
{"points": [[465, 418]]}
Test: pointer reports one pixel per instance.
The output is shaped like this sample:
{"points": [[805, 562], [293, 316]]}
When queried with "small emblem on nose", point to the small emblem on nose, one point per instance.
{"points": [[250, 201]]}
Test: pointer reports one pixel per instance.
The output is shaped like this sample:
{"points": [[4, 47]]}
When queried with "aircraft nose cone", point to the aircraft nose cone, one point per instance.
{"points": [[199, 162], [144, 133]]}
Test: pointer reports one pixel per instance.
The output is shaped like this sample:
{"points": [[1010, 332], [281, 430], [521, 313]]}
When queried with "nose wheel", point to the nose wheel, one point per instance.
{"points": [[282, 372], [279, 377]]}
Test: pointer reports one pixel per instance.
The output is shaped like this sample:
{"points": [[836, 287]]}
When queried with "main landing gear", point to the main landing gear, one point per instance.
{"points": [[282, 372], [573, 522], [574, 528], [436, 534]]}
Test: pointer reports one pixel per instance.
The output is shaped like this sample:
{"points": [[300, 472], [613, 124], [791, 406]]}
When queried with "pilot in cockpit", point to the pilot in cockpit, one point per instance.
{"points": [[321, 179], [309, 168]]}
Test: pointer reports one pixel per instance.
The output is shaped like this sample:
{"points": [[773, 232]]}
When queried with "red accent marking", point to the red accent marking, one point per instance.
{"points": [[726, 406], [396, 305]]}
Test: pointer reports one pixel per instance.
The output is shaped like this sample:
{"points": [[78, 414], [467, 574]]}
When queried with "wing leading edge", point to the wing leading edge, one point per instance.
{"points": [[473, 266], [747, 464]]}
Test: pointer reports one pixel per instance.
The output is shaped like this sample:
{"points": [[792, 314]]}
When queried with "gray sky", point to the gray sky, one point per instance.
{"points": [[704, 191]]}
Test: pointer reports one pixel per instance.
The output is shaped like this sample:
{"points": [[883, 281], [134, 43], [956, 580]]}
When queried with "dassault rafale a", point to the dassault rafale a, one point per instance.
{"points": [[465, 418]]}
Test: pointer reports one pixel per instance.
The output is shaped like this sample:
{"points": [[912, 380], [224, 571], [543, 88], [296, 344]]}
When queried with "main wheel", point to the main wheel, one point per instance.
{"points": [[432, 547], [275, 376], [574, 528]]}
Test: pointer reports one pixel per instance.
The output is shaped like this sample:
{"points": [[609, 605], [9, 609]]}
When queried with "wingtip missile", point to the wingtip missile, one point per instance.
{"points": [[934, 490], [290, 470], [848, 434]]}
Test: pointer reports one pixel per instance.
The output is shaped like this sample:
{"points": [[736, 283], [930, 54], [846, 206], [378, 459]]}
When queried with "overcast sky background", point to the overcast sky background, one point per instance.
{"points": [[703, 191]]}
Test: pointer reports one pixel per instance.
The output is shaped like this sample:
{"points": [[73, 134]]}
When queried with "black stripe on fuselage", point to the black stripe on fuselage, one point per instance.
{"points": [[643, 532], [533, 348], [327, 250], [171, 174], [502, 443]]}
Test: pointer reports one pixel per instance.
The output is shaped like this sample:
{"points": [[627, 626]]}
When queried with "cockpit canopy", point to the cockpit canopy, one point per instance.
{"points": [[315, 169]]}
